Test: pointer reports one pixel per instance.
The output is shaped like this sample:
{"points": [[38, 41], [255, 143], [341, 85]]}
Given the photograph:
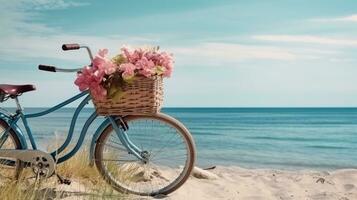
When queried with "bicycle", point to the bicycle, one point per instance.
{"points": [[131, 152]]}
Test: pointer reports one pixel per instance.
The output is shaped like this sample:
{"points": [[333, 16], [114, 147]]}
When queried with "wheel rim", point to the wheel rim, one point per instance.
{"points": [[167, 147]]}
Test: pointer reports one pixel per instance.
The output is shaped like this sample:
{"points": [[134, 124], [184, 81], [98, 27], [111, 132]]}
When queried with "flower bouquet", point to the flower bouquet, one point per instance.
{"points": [[128, 83]]}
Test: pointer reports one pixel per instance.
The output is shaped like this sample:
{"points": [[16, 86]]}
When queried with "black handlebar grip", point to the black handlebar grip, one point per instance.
{"points": [[67, 47], [47, 68]]}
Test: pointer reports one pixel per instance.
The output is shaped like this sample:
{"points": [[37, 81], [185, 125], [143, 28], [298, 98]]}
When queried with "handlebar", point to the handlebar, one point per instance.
{"points": [[56, 69], [67, 47], [47, 68], [75, 46]]}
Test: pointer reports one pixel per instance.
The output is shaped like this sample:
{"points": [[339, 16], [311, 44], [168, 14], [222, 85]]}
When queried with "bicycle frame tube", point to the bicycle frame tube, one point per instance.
{"points": [[57, 106], [5, 134], [11, 121], [73, 121], [80, 140], [124, 139]]}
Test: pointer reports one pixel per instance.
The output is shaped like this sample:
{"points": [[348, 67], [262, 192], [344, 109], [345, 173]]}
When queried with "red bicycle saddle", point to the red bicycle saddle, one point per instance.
{"points": [[16, 89]]}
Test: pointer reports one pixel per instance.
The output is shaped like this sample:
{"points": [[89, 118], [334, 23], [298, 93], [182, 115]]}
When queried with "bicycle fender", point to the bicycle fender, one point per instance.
{"points": [[16, 129]]}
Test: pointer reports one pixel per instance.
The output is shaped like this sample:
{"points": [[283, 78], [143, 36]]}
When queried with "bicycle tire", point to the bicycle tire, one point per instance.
{"points": [[179, 181]]}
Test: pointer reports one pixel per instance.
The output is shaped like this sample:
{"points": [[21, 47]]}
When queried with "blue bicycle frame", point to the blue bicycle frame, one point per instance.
{"points": [[110, 120]]}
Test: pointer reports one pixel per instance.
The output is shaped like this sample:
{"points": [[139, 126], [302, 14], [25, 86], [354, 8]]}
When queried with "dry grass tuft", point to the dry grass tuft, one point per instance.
{"points": [[87, 183]]}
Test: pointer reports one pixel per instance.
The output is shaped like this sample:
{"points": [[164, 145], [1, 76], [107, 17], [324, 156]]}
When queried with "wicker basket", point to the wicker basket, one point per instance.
{"points": [[143, 96]]}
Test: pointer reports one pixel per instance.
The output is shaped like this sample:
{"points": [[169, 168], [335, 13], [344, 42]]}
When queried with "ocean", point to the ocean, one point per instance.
{"points": [[278, 138]]}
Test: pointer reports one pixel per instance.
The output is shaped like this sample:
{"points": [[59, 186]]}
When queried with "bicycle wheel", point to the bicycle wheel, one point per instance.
{"points": [[10, 169], [167, 145]]}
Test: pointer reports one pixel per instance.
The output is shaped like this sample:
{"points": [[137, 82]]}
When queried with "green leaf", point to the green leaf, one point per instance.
{"points": [[112, 90], [130, 80], [115, 89], [118, 95], [159, 70], [119, 59]]}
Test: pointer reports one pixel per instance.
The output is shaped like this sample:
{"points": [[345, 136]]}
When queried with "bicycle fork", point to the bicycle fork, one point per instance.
{"points": [[128, 144]]}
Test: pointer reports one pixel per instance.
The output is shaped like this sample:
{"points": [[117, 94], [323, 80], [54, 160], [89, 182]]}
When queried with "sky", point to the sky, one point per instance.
{"points": [[228, 53]]}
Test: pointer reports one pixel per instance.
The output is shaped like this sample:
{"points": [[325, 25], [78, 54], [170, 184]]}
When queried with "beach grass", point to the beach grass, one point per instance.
{"points": [[86, 183]]}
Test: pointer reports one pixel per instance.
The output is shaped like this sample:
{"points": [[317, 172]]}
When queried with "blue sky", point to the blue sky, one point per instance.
{"points": [[228, 53]]}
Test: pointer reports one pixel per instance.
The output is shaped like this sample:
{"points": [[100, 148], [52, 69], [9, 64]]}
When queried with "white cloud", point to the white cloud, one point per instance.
{"points": [[227, 52], [23, 39], [20, 47], [308, 39], [350, 18], [18, 16], [25, 47]]}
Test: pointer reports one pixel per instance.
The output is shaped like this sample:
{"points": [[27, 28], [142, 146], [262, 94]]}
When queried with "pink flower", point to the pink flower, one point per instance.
{"points": [[103, 63], [109, 68], [128, 70], [153, 56], [98, 92], [165, 60], [144, 63], [103, 52], [138, 62], [132, 57], [100, 58], [83, 79], [127, 75], [146, 67], [127, 67], [91, 79], [167, 72]]}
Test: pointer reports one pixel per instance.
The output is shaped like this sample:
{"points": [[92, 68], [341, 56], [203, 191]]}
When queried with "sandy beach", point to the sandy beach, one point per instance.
{"points": [[231, 183], [252, 184]]}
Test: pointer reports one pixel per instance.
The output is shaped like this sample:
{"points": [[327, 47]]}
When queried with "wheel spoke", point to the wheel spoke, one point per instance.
{"points": [[167, 146], [115, 147], [118, 143]]}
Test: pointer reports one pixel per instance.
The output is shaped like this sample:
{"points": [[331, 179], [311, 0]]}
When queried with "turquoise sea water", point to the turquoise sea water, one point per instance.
{"points": [[284, 138]]}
